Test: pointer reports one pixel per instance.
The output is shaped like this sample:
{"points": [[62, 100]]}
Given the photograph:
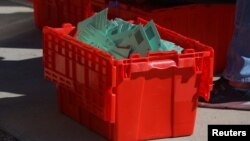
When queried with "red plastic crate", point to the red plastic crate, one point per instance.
{"points": [[73, 11], [46, 13], [211, 24], [138, 98], [55, 12]]}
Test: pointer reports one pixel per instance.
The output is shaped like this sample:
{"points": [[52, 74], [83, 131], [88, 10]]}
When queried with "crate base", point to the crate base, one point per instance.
{"points": [[165, 126], [68, 105]]}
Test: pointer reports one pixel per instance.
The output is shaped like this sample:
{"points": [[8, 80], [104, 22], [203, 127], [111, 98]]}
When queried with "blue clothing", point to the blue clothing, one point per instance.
{"points": [[238, 63]]}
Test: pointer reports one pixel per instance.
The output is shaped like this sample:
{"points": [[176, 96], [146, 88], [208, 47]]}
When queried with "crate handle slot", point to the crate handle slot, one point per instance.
{"points": [[146, 66], [164, 64]]}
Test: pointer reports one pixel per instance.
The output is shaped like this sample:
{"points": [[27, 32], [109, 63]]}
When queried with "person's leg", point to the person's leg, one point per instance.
{"points": [[233, 89], [238, 65]]}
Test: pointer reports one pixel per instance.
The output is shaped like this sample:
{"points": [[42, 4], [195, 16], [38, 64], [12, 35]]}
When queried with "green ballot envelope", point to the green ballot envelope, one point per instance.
{"points": [[121, 38]]}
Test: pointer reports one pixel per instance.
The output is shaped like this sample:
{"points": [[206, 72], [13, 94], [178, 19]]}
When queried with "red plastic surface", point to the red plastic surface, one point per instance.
{"points": [[211, 24], [69, 103], [73, 11], [55, 12], [45, 12], [138, 98]]}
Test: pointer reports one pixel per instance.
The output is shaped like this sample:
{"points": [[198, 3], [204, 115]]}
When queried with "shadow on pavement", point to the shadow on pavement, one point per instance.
{"points": [[29, 108]]}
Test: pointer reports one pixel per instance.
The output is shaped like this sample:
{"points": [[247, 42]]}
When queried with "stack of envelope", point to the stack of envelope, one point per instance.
{"points": [[121, 38]]}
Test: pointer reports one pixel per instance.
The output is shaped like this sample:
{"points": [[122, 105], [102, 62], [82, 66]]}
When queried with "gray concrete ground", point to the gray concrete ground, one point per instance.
{"points": [[28, 108]]}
